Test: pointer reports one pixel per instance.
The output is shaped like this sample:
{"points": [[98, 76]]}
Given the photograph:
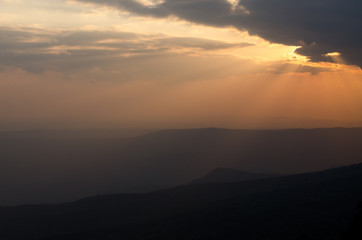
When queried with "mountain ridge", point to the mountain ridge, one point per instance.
{"points": [[161, 160]]}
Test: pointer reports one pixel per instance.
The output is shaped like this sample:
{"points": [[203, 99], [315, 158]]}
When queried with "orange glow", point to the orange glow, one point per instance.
{"points": [[242, 101]]}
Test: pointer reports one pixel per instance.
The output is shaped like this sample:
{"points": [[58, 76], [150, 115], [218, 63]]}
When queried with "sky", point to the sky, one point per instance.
{"points": [[180, 64]]}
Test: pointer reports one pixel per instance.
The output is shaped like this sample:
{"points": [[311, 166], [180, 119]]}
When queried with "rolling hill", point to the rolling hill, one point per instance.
{"points": [[64, 169], [317, 205]]}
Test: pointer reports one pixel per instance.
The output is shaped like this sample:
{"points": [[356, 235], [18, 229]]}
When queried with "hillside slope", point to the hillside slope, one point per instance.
{"points": [[231, 175]]}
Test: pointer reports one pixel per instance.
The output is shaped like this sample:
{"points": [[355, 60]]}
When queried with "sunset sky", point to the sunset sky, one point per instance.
{"points": [[180, 64]]}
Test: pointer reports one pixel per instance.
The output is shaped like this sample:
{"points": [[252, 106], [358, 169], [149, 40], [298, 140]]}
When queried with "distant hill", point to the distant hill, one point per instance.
{"points": [[74, 133], [68, 168], [231, 175], [314, 206]]}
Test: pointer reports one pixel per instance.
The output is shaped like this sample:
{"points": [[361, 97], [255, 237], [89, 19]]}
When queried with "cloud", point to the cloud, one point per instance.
{"points": [[100, 55], [318, 26], [38, 50]]}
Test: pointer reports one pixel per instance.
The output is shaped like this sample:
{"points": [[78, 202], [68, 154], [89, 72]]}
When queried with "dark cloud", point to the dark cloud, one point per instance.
{"points": [[318, 26]]}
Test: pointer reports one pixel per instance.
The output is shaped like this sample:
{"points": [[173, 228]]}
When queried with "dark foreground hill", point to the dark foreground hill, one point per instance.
{"points": [[318, 205], [220, 175], [354, 231], [60, 168]]}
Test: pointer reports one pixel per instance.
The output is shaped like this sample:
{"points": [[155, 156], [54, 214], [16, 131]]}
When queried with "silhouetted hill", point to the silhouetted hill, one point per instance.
{"points": [[316, 205], [230, 175], [64, 169], [354, 231]]}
